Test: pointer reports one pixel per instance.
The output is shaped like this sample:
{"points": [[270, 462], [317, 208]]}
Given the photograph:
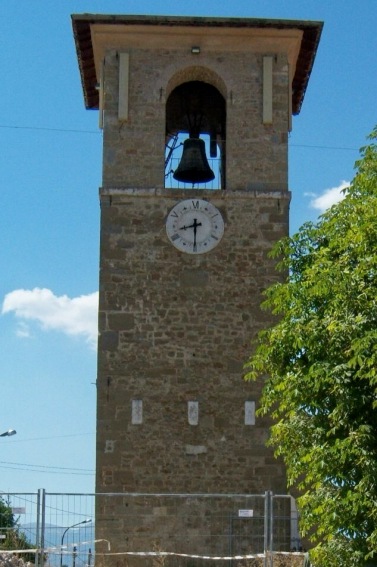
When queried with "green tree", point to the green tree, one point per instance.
{"points": [[6, 517], [320, 359], [14, 538]]}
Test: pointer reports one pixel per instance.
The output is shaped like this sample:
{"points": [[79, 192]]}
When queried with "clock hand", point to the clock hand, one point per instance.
{"points": [[195, 227]]}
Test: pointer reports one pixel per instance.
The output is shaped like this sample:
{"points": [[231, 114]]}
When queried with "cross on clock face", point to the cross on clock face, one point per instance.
{"points": [[194, 226]]}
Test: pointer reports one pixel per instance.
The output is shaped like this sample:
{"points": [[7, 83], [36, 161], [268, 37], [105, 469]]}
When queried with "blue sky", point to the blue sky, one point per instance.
{"points": [[50, 172]]}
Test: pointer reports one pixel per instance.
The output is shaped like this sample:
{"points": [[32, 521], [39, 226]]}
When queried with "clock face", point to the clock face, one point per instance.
{"points": [[194, 226]]}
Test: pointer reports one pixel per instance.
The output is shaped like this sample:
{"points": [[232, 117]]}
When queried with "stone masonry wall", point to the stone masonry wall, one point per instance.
{"points": [[134, 150], [177, 328]]}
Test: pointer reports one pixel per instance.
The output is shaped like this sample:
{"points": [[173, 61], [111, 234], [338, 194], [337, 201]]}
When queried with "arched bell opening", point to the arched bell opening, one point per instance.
{"points": [[195, 137]]}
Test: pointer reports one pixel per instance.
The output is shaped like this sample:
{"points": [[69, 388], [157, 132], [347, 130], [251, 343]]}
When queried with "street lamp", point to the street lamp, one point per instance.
{"points": [[8, 433], [65, 531]]}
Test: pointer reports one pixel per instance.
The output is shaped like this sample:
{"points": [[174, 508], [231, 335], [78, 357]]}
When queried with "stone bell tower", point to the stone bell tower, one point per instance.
{"points": [[185, 240]]}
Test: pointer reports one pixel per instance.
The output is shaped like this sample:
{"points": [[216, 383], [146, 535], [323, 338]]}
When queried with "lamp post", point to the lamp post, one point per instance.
{"points": [[65, 531], [8, 433]]}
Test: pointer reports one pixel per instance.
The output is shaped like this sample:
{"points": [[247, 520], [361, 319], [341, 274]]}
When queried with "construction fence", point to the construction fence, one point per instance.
{"points": [[152, 530]]}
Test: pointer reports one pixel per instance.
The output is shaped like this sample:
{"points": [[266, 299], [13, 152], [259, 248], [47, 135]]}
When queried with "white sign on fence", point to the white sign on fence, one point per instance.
{"points": [[19, 510], [245, 513]]}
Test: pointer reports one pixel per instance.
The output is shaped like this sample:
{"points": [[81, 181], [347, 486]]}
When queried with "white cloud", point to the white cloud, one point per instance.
{"points": [[329, 197], [74, 317]]}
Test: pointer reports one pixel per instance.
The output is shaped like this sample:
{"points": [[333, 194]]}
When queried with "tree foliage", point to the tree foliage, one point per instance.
{"points": [[321, 363], [9, 527], [7, 519]]}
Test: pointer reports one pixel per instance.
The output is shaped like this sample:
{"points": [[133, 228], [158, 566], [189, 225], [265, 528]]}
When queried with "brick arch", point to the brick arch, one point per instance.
{"points": [[196, 73]]}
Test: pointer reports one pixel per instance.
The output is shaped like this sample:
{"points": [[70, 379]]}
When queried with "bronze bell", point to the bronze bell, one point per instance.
{"points": [[193, 167]]}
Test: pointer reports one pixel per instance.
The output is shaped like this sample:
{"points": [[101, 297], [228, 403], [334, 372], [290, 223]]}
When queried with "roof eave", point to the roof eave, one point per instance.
{"points": [[82, 34]]}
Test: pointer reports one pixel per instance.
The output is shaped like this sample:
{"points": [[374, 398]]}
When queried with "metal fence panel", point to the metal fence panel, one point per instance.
{"points": [[69, 531], [192, 525], [24, 510], [157, 530]]}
